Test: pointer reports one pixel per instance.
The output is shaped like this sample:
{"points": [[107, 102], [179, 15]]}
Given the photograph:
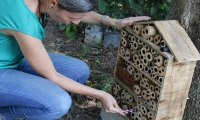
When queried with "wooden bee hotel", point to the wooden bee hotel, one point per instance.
{"points": [[154, 70]]}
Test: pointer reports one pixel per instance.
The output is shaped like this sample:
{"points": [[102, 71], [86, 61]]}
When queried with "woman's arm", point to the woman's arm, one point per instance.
{"points": [[95, 18], [37, 57]]}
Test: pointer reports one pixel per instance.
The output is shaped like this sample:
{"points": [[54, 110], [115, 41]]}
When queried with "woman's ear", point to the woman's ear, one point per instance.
{"points": [[53, 3]]}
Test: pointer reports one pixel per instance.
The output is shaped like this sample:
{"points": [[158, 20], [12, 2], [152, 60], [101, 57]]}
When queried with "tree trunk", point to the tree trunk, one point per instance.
{"points": [[187, 12]]}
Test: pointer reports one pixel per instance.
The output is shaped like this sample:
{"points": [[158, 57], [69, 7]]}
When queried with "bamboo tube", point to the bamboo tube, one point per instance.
{"points": [[139, 115], [157, 89], [144, 94], [153, 52], [143, 76], [166, 62], [133, 50], [150, 31], [159, 60], [118, 99], [99, 104], [155, 69], [131, 38], [150, 115], [130, 44], [150, 65], [119, 88], [135, 57], [158, 96], [150, 39], [144, 118], [152, 88], [123, 94], [137, 62], [139, 52], [148, 91], [143, 45], [132, 105], [124, 107], [124, 33], [161, 80], [157, 39], [143, 51], [148, 48], [134, 115], [129, 98], [127, 63], [148, 101], [161, 71], [141, 66], [147, 86], [149, 72], [128, 54], [137, 76], [141, 57], [123, 102], [131, 69], [146, 68], [143, 33], [124, 42], [139, 103], [136, 45], [153, 105], [140, 42], [122, 50], [153, 75], [137, 89], [162, 43], [152, 95], [137, 29], [157, 77], [143, 110], [149, 56], [142, 83]]}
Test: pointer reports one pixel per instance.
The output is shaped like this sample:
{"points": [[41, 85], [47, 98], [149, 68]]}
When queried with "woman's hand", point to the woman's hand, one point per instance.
{"points": [[110, 104], [126, 22]]}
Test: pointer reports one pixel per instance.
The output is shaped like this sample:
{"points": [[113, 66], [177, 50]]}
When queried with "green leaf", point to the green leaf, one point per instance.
{"points": [[154, 9], [70, 35], [68, 27], [102, 6], [75, 28], [131, 3], [97, 61]]}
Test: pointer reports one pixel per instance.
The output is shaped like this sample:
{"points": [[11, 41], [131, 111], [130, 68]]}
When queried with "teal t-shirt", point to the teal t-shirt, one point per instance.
{"points": [[15, 15]]}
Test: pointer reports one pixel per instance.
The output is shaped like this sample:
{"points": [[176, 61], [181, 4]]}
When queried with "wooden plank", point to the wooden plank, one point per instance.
{"points": [[178, 77], [178, 41]]}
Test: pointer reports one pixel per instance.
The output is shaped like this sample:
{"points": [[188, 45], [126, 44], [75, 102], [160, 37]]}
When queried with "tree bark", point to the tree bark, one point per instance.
{"points": [[187, 12]]}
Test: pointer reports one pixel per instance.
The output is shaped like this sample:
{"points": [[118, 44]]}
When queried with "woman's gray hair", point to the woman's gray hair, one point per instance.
{"points": [[77, 5]]}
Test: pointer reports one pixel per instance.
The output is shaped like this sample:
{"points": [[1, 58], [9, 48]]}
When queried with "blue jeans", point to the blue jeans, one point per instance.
{"points": [[25, 94]]}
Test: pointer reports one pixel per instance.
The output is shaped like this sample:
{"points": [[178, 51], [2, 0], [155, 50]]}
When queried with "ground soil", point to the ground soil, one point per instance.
{"points": [[100, 60]]}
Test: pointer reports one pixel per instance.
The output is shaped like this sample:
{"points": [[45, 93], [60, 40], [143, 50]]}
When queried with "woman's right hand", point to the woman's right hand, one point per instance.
{"points": [[110, 104]]}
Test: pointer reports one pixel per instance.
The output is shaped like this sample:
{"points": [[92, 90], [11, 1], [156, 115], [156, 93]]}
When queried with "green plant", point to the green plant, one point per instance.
{"points": [[157, 9], [84, 51], [103, 83], [71, 29]]}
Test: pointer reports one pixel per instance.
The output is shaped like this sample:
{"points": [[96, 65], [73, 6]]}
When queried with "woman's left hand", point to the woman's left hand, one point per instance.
{"points": [[126, 22], [110, 104]]}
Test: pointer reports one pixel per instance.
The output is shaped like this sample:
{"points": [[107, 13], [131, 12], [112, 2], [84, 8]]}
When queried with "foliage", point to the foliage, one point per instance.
{"points": [[103, 83], [71, 29], [84, 51], [157, 9]]}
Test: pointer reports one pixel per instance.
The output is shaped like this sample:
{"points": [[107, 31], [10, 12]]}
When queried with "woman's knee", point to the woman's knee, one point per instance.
{"points": [[60, 105]]}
